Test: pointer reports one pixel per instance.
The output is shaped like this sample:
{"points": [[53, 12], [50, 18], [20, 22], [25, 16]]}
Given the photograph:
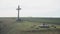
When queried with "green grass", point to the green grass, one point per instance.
{"points": [[26, 26], [10, 26]]}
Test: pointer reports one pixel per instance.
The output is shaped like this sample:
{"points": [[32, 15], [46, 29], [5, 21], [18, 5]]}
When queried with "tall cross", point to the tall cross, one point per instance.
{"points": [[18, 11]]}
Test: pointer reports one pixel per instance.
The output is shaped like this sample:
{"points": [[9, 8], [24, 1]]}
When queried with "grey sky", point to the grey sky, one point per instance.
{"points": [[30, 8]]}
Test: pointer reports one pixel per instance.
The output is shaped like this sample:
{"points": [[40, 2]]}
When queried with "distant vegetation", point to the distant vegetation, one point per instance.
{"points": [[36, 19], [43, 20]]}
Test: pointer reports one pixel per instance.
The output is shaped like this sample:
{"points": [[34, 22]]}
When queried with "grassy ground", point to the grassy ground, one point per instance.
{"points": [[11, 26], [26, 26]]}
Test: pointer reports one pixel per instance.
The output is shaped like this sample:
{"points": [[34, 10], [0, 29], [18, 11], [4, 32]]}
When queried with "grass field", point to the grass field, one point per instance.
{"points": [[26, 26]]}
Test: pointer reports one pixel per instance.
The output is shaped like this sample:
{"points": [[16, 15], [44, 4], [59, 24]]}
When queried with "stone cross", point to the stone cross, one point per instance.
{"points": [[18, 11]]}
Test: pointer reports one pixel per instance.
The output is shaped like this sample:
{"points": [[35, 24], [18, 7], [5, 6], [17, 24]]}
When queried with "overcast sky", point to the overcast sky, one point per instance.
{"points": [[30, 8]]}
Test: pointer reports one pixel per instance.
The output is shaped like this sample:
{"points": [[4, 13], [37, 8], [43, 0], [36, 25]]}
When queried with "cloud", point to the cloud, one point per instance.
{"points": [[30, 7]]}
